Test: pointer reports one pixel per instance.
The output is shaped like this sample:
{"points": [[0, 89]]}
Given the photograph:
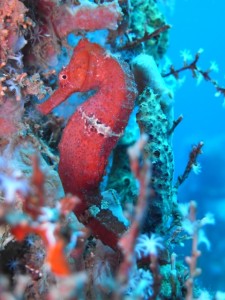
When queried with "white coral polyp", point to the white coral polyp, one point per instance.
{"points": [[148, 245]]}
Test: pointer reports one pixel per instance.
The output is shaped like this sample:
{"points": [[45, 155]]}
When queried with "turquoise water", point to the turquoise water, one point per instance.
{"points": [[200, 24]]}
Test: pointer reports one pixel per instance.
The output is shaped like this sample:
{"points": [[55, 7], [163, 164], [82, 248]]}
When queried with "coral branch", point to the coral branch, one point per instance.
{"points": [[192, 260], [143, 174], [196, 150], [175, 124], [44, 222], [146, 37], [193, 67]]}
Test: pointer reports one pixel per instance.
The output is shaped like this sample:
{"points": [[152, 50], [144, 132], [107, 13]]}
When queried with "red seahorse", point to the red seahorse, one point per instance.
{"points": [[93, 130]]}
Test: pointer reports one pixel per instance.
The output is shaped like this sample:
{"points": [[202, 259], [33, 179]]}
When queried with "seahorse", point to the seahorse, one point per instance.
{"points": [[93, 130]]}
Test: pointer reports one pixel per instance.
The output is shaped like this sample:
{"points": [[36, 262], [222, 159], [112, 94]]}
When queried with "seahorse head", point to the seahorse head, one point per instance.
{"points": [[79, 75], [73, 76], [71, 79]]}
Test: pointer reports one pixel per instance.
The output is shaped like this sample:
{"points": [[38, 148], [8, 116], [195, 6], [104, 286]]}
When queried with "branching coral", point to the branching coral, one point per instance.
{"points": [[196, 71]]}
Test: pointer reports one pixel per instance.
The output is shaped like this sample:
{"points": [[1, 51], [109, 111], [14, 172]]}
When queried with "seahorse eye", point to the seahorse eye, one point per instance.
{"points": [[64, 76], [63, 79]]}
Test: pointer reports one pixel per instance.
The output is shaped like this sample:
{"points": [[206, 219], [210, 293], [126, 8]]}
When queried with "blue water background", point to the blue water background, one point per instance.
{"points": [[201, 24]]}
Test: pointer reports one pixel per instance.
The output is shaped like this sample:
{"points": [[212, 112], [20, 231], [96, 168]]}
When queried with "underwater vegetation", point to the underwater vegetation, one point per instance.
{"points": [[89, 204]]}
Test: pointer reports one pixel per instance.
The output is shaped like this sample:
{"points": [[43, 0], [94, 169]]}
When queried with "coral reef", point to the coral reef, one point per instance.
{"points": [[13, 22], [88, 204], [145, 18]]}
